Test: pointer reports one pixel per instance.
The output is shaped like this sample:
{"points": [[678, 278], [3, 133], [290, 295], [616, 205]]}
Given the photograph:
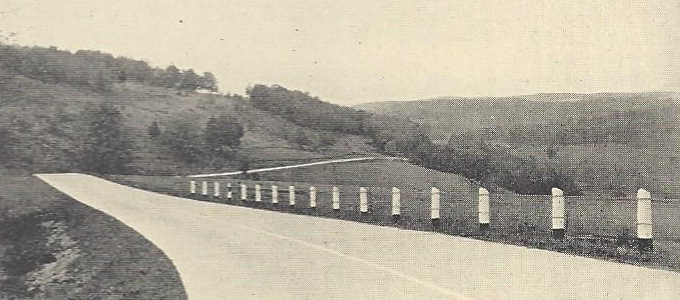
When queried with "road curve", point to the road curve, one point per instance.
{"points": [[318, 163], [229, 252]]}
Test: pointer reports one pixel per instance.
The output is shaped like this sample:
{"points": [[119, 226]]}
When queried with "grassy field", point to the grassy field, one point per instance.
{"points": [[53, 247], [385, 173], [518, 220]]}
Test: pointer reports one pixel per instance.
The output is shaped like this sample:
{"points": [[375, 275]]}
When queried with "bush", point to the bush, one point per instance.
{"points": [[105, 148], [154, 130], [222, 136], [184, 138]]}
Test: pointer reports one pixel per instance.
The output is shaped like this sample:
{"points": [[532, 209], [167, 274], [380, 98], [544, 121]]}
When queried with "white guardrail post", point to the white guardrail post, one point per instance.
{"points": [[258, 193], [204, 188], [192, 187], [312, 197], [275, 195], [434, 207], [557, 213], [216, 186], [229, 193], [244, 192], [363, 200], [336, 198], [483, 209], [291, 195], [396, 204], [644, 220]]}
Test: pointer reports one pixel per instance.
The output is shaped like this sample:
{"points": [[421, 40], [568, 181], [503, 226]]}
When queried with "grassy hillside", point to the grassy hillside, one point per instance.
{"points": [[610, 143], [45, 121], [91, 112]]}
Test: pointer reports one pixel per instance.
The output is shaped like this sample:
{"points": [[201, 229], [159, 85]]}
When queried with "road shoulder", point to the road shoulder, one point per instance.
{"points": [[53, 247]]}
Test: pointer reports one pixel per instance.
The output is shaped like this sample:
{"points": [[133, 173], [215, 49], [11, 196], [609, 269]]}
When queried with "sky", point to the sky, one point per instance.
{"points": [[355, 51]]}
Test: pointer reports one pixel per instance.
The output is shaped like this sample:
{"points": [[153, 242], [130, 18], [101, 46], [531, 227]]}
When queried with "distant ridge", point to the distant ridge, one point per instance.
{"points": [[538, 97]]}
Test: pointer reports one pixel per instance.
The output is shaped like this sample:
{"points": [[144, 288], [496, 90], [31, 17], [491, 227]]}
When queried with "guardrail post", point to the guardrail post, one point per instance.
{"points": [[229, 194], [291, 195], [336, 198], [244, 192], [204, 188], [192, 187], [396, 204], [483, 209], [312, 197], [434, 207], [644, 220], [363, 200], [258, 194], [275, 195], [557, 213], [216, 185]]}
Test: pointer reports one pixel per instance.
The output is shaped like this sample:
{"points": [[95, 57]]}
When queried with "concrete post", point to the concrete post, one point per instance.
{"points": [[291, 195], [483, 209], [204, 188], [557, 213], [396, 202], [644, 219], [244, 192], [192, 187], [258, 194], [336, 198], [217, 189], [434, 208], [312, 197], [275, 195], [229, 194], [363, 200]]}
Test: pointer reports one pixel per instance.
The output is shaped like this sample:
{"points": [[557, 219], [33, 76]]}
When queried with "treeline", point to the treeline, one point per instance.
{"points": [[213, 143], [488, 164], [308, 111], [634, 127], [402, 137], [96, 70]]}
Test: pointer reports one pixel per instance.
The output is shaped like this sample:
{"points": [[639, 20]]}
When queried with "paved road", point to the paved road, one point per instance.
{"points": [[228, 252], [318, 163]]}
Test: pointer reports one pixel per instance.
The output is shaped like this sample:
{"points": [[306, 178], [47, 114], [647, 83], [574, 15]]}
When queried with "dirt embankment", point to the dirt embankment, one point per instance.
{"points": [[53, 247]]}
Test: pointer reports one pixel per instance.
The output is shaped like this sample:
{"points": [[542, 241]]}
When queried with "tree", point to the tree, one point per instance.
{"points": [[105, 148], [172, 77], [190, 80], [7, 144], [183, 138], [551, 151], [209, 82], [222, 136], [102, 83], [153, 130]]}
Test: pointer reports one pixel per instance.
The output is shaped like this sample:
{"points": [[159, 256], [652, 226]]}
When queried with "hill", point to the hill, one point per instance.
{"points": [[448, 114], [88, 111], [43, 125], [611, 142]]}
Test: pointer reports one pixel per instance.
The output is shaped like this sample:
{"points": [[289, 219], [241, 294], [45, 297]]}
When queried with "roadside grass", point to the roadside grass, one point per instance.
{"points": [[385, 173], [53, 247], [517, 220]]}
